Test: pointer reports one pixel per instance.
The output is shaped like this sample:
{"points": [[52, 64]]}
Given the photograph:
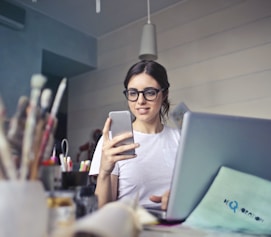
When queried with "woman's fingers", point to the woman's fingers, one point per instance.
{"points": [[106, 129], [111, 150], [115, 153], [161, 199], [165, 198], [117, 145], [156, 199]]}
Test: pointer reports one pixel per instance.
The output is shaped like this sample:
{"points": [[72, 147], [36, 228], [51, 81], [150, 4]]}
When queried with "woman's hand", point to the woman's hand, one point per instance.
{"points": [[111, 152], [161, 199]]}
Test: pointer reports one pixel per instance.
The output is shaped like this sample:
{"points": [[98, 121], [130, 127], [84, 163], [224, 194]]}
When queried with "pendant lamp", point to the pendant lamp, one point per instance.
{"points": [[148, 47]]}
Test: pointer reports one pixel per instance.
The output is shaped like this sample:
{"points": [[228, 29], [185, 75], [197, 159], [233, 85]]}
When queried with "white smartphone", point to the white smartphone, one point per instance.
{"points": [[121, 123]]}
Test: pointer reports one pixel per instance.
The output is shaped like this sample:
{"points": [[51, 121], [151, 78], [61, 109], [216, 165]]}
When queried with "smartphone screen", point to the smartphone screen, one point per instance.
{"points": [[122, 123]]}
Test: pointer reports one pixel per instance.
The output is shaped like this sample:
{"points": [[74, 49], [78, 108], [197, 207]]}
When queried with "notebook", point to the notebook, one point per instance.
{"points": [[209, 141]]}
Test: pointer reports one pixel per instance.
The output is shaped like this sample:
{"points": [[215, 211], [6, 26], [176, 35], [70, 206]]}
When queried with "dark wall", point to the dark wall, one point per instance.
{"points": [[22, 53]]}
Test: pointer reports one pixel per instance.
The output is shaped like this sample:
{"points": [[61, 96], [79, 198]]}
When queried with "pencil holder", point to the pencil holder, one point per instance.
{"points": [[23, 209], [73, 179], [50, 177]]}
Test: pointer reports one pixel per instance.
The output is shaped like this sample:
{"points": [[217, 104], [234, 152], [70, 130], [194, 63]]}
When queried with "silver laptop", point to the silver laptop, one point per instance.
{"points": [[209, 141]]}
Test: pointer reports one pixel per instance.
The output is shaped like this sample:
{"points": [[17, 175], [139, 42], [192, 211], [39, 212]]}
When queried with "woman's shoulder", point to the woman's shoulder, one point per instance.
{"points": [[173, 131]]}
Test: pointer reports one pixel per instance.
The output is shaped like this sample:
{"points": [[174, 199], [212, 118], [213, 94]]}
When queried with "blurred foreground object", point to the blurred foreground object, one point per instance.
{"points": [[115, 219]]}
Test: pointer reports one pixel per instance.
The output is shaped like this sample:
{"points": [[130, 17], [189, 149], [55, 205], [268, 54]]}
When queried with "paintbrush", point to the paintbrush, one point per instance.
{"points": [[49, 127], [37, 82], [16, 128], [45, 101], [7, 165], [20, 113]]}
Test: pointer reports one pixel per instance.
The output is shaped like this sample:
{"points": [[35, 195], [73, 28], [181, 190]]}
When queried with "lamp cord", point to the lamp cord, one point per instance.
{"points": [[148, 5], [98, 6]]}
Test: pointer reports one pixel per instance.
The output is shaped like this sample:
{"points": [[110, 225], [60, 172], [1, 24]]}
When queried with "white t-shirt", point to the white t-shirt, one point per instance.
{"points": [[150, 172]]}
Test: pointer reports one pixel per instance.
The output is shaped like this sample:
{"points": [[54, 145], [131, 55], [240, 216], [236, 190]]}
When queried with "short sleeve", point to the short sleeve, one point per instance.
{"points": [[96, 160]]}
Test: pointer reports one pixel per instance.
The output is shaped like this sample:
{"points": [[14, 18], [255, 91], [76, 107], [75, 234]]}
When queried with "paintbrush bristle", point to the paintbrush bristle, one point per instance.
{"points": [[38, 81], [46, 97], [23, 100]]}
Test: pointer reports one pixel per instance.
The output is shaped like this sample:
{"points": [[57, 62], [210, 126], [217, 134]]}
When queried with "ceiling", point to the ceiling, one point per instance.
{"points": [[81, 14]]}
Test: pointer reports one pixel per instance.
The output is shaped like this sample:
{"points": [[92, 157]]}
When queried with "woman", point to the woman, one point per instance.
{"points": [[148, 173]]}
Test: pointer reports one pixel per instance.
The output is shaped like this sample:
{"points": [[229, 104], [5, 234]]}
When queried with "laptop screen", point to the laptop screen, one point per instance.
{"points": [[209, 141]]}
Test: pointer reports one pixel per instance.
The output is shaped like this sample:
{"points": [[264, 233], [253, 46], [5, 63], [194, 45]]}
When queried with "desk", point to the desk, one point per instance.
{"points": [[182, 232], [165, 234], [189, 233], [147, 233]]}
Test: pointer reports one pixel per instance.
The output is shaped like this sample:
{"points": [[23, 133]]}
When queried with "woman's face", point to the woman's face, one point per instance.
{"points": [[142, 109]]}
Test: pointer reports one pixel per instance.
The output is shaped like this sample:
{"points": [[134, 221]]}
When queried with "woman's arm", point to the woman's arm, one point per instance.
{"points": [[107, 183], [106, 189]]}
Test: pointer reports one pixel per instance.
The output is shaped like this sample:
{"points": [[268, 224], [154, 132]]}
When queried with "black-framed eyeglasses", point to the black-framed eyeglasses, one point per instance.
{"points": [[149, 94]]}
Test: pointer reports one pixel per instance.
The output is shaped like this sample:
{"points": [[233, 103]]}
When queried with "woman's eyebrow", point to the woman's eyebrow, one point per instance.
{"points": [[145, 88]]}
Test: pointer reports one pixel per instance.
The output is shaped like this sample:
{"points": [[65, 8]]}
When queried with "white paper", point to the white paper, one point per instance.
{"points": [[236, 202]]}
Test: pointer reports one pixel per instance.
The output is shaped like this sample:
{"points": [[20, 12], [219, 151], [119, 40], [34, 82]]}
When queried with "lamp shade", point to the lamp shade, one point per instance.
{"points": [[148, 47]]}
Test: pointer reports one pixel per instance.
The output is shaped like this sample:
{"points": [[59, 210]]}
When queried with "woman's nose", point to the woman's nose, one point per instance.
{"points": [[141, 99]]}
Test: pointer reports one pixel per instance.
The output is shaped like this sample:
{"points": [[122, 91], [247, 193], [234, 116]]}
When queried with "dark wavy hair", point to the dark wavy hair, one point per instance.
{"points": [[159, 73]]}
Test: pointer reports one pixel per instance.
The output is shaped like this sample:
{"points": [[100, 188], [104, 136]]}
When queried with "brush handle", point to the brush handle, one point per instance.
{"points": [[45, 138], [6, 158], [58, 97], [27, 154], [5, 155], [37, 82]]}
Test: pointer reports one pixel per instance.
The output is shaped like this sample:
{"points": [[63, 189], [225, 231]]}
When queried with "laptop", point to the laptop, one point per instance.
{"points": [[209, 141]]}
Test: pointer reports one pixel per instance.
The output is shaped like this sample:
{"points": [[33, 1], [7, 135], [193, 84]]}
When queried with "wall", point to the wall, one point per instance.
{"points": [[21, 53], [217, 53]]}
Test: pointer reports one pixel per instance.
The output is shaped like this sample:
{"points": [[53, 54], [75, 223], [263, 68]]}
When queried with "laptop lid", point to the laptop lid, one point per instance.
{"points": [[209, 141]]}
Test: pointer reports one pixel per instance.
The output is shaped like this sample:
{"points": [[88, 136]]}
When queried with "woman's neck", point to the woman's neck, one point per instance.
{"points": [[150, 128]]}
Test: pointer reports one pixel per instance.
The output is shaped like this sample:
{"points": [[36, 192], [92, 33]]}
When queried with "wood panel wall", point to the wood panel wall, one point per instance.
{"points": [[217, 53]]}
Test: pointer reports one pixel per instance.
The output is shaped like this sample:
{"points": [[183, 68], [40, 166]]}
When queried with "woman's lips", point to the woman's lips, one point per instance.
{"points": [[142, 110]]}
